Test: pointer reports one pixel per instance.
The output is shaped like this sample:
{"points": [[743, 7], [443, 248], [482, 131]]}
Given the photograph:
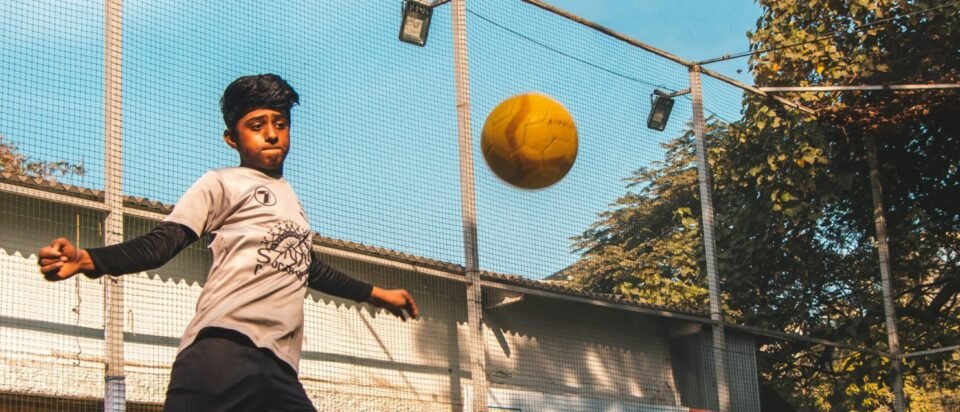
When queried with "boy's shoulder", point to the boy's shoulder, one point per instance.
{"points": [[228, 170], [217, 179], [226, 174], [239, 177]]}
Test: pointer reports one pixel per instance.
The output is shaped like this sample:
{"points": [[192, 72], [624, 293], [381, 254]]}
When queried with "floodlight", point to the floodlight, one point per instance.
{"points": [[660, 106], [416, 22]]}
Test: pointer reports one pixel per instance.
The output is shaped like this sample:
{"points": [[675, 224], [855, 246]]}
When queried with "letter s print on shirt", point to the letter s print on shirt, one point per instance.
{"points": [[286, 248]]}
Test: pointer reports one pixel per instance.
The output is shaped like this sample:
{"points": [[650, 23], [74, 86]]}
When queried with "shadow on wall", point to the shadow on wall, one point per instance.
{"points": [[427, 356], [540, 351], [586, 356]]}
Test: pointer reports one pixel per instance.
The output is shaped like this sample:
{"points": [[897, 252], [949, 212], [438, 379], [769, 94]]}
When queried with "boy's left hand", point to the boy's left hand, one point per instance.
{"points": [[394, 300]]}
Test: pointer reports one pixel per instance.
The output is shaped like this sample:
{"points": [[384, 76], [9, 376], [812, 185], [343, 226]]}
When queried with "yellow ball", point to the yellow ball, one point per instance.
{"points": [[529, 141]]}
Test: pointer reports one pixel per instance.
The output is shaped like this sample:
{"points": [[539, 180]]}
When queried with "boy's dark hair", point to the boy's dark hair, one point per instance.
{"points": [[263, 91]]}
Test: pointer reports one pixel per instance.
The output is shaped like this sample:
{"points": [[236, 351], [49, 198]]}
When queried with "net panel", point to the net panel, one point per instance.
{"points": [[594, 289]]}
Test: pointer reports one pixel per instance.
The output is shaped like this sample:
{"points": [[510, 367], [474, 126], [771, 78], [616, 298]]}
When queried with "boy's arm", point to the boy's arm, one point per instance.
{"points": [[149, 251], [327, 279], [62, 260]]}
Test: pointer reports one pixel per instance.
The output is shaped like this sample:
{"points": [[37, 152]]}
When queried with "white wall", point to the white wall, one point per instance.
{"points": [[542, 354]]}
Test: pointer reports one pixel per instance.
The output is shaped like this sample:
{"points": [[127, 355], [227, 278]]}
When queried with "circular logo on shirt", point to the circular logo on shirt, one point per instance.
{"points": [[285, 248], [264, 196]]}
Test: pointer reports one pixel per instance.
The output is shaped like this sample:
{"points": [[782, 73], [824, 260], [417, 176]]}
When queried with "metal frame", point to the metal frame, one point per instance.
{"points": [[468, 209], [806, 89], [709, 241], [115, 388], [634, 42]]}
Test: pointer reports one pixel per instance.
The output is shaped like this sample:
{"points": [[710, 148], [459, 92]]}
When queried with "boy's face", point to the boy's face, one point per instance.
{"points": [[262, 139]]}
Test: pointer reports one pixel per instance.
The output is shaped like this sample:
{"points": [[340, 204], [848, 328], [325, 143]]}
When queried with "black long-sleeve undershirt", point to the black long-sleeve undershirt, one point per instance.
{"points": [[327, 279], [161, 244], [149, 251]]}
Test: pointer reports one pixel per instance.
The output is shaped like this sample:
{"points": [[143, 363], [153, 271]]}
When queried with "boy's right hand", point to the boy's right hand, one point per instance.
{"points": [[61, 260]]}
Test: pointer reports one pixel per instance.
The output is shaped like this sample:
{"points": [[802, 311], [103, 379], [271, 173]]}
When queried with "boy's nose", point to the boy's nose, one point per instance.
{"points": [[271, 135]]}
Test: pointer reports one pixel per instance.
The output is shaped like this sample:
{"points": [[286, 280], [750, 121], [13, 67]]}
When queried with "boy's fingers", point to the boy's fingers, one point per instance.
{"points": [[46, 261], [58, 244], [52, 271], [397, 301], [48, 252], [52, 265], [412, 310], [411, 305]]}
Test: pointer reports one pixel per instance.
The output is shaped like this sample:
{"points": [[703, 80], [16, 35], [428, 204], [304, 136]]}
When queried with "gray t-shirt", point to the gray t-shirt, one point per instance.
{"points": [[261, 254]]}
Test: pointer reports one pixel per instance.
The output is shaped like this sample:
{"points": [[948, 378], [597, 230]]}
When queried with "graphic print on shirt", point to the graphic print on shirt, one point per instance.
{"points": [[285, 248], [264, 196]]}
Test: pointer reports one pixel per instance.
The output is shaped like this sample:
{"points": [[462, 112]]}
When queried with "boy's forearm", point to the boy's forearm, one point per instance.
{"points": [[149, 251], [327, 279]]}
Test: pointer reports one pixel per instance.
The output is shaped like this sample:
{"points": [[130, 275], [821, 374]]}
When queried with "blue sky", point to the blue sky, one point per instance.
{"points": [[690, 29], [375, 156]]}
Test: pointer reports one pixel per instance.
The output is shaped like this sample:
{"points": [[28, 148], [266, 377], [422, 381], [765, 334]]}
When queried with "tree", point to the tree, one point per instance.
{"points": [[648, 247], [14, 162], [794, 207], [916, 145]]}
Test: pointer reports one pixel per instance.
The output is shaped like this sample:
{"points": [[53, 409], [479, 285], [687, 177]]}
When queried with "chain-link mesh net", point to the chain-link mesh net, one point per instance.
{"points": [[606, 86], [51, 335], [799, 202], [595, 290]]}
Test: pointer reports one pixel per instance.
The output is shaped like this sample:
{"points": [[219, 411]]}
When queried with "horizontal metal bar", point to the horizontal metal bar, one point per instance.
{"points": [[756, 90], [661, 53], [793, 336], [609, 32], [862, 87], [931, 351]]}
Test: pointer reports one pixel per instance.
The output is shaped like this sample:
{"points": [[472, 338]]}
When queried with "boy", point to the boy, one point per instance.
{"points": [[242, 349]]}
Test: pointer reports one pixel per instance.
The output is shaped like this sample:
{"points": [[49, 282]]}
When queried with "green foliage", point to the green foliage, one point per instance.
{"points": [[795, 217], [648, 247], [918, 151]]}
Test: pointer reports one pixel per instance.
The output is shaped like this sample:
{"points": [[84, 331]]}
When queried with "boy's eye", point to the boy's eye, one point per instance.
{"points": [[256, 126], [281, 125]]}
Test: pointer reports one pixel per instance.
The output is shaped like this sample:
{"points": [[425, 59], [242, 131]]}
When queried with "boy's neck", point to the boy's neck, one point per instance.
{"points": [[278, 173]]}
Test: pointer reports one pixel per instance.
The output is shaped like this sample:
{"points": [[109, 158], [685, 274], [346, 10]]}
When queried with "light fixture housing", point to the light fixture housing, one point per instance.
{"points": [[661, 104], [416, 22]]}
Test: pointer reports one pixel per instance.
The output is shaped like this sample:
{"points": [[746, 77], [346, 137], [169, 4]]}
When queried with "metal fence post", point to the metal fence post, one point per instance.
{"points": [[468, 209], [115, 388], [709, 241], [883, 254]]}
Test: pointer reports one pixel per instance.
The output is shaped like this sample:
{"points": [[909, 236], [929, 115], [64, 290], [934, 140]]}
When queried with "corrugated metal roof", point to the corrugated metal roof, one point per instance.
{"points": [[50, 186], [514, 280]]}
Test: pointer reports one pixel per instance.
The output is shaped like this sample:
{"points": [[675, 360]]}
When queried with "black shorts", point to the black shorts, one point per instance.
{"points": [[223, 371]]}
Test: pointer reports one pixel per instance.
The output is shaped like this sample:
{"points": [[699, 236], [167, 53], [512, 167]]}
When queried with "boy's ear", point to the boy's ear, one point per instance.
{"points": [[229, 138]]}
